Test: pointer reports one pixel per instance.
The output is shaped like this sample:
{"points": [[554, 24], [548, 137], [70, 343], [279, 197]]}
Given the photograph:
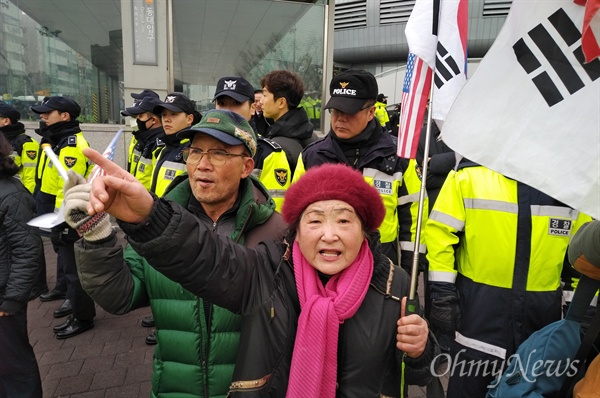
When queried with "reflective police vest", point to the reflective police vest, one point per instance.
{"points": [[412, 181], [273, 171], [144, 155], [503, 243], [168, 165], [25, 155], [70, 155], [133, 156], [381, 113]]}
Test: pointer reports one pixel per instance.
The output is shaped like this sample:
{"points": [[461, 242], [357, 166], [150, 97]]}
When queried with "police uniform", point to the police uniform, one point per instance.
{"points": [[501, 245], [67, 143], [169, 163], [144, 155], [26, 153], [272, 168], [381, 114]]}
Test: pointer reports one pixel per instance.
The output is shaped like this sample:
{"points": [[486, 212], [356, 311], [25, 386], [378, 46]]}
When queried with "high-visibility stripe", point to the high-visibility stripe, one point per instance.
{"points": [[409, 198], [447, 220], [376, 174], [410, 246], [481, 346], [554, 211], [486, 204], [440, 276], [173, 165]]}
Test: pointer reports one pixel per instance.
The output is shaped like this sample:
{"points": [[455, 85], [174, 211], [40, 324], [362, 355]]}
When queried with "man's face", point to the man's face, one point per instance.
{"points": [[173, 122], [55, 116], [257, 103], [347, 126], [216, 187], [245, 109], [271, 107]]}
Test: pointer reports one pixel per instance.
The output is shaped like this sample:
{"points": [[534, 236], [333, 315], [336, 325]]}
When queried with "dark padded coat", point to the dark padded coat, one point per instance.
{"points": [[197, 341], [259, 285], [21, 249]]}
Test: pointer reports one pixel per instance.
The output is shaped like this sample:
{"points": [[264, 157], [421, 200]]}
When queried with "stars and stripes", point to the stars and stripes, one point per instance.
{"points": [[417, 84]]}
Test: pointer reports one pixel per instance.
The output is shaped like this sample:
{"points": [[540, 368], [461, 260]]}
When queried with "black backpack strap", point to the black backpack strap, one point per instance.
{"points": [[588, 288]]}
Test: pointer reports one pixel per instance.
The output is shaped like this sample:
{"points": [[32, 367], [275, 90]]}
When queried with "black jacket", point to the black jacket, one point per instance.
{"points": [[441, 160], [259, 284], [21, 249], [293, 131]]}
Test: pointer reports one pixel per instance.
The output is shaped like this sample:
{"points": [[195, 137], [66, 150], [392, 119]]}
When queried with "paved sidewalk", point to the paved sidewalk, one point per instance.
{"points": [[111, 360]]}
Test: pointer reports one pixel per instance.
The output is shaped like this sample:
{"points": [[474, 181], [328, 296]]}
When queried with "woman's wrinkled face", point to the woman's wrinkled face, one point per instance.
{"points": [[330, 235]]}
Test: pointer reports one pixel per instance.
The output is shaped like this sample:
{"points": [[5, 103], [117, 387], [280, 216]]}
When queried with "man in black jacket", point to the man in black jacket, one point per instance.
{"points": [[282, 92]]}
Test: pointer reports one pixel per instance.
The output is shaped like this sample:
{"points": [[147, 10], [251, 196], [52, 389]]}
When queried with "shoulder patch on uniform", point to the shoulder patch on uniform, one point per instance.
{"points": [[72, 140], [70, 161], [275, 145], [281, 175], [31, 154]]}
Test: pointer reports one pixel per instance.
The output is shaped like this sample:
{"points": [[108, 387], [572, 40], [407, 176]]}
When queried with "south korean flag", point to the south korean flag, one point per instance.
{"points": [[531, 110]]}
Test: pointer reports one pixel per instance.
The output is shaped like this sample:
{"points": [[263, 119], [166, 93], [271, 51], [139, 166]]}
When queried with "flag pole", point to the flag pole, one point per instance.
{"points": [[415, 261]]}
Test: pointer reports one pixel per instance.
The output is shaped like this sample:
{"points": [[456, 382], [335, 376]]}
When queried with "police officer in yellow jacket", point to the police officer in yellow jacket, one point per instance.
{"points": [[133, 152], [381, 112], [26, 149], [357, 139], [60, 128], [271, 165], [148, 139], [496, 248]]}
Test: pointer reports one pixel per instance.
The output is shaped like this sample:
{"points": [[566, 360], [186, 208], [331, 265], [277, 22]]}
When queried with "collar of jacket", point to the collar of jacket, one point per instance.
{"points": [[13, 130], [383, 147], [255, 204], [57, 131], [149, 135], [294, 124]]}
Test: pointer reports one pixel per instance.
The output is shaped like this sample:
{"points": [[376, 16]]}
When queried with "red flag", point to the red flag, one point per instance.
{"points": [[590, 34], [417, 84]]}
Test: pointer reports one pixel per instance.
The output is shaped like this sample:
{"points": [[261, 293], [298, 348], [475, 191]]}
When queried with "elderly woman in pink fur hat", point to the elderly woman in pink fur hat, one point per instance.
{"points": [[323, 314]]}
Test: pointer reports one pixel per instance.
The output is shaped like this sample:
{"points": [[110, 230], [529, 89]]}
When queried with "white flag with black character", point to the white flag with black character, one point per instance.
{"points": [[531, 111]]}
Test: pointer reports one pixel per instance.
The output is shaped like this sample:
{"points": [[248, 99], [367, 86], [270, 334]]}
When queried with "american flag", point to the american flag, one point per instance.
{"points": [[417, 84]]}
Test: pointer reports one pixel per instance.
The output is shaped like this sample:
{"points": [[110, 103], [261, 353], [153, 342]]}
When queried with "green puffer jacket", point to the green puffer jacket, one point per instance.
{"points": [[197, 341]]}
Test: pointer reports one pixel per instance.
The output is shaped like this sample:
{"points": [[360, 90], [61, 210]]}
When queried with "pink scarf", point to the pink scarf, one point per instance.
{"points": [[323, 308]]}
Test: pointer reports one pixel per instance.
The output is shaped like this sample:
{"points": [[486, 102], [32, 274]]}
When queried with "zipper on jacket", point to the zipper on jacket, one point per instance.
{"points": [[356, 159]]}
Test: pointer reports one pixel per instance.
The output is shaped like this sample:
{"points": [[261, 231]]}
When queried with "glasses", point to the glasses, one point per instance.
{"points": [[337, 112], [216, 157]]}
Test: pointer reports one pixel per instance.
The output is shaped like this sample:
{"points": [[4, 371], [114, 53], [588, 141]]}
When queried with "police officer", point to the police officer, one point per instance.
{"points": [[496, 248], [133, 153], [381, 112], [271, 164], [144, 152], [59, 126], [357, 139], [26, 149], [177, 112]]}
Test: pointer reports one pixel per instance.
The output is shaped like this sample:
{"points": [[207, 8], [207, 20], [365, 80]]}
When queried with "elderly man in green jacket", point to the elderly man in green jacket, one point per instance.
{"points": [[197, 341]]}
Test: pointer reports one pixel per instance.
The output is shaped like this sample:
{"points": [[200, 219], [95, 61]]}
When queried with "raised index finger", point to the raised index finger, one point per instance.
{"points": [[108, 166]]}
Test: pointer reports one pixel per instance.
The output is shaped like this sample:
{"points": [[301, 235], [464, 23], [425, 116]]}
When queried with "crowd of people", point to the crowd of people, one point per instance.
{"points": [[276, 263]]}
